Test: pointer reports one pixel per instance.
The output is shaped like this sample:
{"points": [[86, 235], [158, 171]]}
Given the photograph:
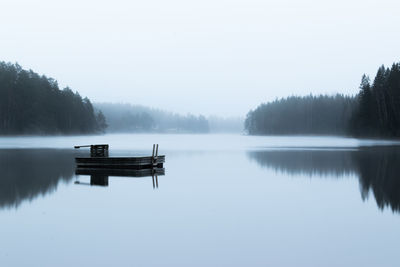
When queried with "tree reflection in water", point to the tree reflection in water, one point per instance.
{"points": [[378, 168], [28, 173]]}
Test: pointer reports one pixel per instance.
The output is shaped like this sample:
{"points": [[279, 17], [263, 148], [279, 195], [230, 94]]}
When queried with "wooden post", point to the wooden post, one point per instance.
{"points": [[154, 155]]}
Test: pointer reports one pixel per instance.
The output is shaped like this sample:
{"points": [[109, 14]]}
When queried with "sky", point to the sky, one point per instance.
{"points": [[220, 57]]}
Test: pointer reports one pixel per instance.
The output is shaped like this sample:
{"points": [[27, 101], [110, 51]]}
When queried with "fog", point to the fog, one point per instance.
{"points": [[204, 57]]}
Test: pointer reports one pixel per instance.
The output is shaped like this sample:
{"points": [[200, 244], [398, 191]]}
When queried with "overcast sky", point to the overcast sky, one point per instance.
{"points": [[210, 56]]}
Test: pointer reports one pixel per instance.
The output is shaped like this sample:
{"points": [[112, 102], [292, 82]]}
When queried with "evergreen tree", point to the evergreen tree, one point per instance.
{"points": [[378, 112], [34, 104], [375, 111]]}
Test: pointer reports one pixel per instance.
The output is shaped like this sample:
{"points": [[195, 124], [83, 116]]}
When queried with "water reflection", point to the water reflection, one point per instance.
{"points": [[378, 168], [98, 180], [28, 173], [99, 176]]}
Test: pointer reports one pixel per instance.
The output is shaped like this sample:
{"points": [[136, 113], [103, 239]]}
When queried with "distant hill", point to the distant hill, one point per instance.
{"points": [[136, 118], [33, 104]]}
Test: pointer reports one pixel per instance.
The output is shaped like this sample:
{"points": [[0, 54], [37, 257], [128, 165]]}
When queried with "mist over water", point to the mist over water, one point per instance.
{"points": [[236, 199]]}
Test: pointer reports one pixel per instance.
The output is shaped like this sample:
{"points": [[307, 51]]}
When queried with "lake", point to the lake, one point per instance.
{"points": [[225, 200]]}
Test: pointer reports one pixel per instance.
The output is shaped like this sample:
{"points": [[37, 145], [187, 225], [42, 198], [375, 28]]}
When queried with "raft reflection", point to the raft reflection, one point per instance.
{"points": [[378, 168], [99, 176]]}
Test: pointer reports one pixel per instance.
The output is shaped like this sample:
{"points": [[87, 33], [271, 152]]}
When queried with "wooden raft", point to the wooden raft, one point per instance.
{"points": [[135, 163], [99, 159]]}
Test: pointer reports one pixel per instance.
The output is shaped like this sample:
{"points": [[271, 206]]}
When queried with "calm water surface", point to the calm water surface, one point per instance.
{"points": [[225, 200]]}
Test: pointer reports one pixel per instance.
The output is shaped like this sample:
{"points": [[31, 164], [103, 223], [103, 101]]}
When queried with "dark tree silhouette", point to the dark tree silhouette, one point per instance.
{"points": [[302, 115], [374, 112], [33, 104], [378, 111]]}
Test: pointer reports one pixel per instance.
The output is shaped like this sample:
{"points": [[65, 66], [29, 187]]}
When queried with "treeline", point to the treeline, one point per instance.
{"points": [[134, 118], [374, 112], [34, 104], [302, 115]]}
